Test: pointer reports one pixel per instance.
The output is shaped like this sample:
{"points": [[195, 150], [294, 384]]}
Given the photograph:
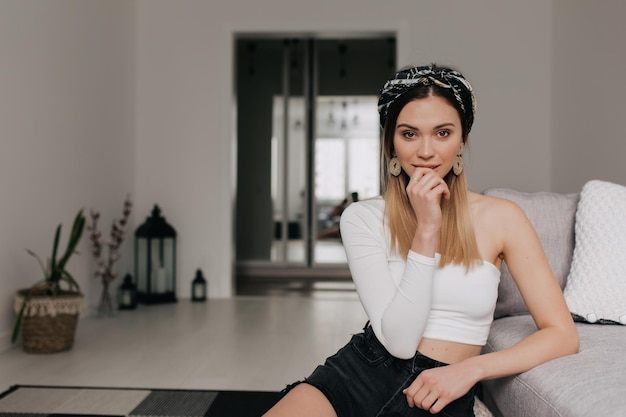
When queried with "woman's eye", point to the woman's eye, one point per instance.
{"points": [[409, 134], [443, 133]]}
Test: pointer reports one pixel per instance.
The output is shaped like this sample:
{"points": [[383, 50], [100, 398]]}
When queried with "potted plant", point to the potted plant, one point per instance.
{"points": [[47, 314]]}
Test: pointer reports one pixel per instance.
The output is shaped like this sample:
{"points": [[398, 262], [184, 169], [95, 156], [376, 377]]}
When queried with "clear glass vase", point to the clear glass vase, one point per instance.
{"points": [[105, 304]]}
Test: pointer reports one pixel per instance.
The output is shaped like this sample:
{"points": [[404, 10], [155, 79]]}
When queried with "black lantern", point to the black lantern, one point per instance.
{"points": [[155, 260], [198, 287], [127, 297]]}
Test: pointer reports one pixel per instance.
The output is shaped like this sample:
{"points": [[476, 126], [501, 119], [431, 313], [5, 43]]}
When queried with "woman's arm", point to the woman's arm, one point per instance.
{"points": [[556, 333], [397, 312]]}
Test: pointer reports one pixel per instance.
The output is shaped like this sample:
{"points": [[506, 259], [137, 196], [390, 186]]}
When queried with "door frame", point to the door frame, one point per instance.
{"points": [[399, 30]]}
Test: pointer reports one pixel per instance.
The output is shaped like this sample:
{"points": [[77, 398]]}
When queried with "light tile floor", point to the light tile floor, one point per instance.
{"points": [[243, 343]]}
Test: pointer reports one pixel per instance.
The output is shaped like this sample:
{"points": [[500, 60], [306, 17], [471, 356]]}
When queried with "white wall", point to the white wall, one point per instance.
{"points": [[589, 92], [66, 130], [185, 145]]}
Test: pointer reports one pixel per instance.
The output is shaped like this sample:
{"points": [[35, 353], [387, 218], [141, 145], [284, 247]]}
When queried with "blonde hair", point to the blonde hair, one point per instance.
{"points": [[457, 242]]}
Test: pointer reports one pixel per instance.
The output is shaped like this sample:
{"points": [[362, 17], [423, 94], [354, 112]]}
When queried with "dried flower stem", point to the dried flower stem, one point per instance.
{"points": [[106, 252]]}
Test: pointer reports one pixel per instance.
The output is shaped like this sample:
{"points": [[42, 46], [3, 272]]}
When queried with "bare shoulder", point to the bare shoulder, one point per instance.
{"points": [[490, 209], [498, 224]]}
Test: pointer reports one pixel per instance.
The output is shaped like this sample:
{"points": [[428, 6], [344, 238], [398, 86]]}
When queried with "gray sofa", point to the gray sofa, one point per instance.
{"points": [[590, 383]]}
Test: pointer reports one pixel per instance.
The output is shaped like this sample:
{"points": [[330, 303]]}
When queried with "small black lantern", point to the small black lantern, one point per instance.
{"points": [[198, 287], [155, 260], [127, 297]]}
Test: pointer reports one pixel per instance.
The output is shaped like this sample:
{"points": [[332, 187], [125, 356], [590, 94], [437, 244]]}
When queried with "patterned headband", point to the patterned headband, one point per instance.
{"points": [[406, 79]]}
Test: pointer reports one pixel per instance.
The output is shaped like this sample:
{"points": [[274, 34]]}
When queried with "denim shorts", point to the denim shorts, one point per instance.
{"points": [[362, 379]]}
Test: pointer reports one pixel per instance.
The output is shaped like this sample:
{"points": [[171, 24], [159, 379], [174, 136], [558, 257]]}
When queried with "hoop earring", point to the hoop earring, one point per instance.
{"points": [[457, 168], [394, 166]]}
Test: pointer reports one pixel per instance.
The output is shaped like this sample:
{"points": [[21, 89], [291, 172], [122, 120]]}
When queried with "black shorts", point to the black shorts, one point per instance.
{"points": [[362, 379]]}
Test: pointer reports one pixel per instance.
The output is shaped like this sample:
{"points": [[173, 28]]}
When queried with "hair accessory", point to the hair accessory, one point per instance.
{"points": [[394, 166], [406, 79]]}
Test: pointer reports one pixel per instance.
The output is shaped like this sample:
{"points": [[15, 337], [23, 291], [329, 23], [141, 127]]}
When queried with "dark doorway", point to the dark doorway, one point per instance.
{"points": [[308, 143]]}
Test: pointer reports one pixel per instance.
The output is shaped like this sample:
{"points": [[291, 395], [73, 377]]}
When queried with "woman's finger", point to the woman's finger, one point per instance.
{"points": [[429, 401], [428, 181]]}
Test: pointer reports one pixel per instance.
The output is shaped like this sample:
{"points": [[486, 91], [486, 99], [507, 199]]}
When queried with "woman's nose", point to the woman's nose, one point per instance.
{"points": [[425, 148]]}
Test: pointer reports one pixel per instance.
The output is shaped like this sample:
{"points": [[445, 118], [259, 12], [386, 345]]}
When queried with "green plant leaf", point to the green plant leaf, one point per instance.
{"points": [[53, 260], [41, 264], [76, 233], [55, 271], [17, 326], [70, 280]]}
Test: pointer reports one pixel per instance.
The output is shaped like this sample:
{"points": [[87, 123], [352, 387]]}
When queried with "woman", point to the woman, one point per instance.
{"points": [[426, 262]]}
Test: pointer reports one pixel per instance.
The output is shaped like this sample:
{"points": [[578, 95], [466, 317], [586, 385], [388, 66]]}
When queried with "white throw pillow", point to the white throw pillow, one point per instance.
{"points": [[596, 285]]}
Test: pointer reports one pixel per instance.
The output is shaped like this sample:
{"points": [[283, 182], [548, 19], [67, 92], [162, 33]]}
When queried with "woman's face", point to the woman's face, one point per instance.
{"points": [[428, 134]]}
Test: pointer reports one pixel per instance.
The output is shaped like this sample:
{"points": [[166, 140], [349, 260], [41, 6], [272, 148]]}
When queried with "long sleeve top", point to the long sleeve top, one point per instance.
{"points": [[407, 299]]}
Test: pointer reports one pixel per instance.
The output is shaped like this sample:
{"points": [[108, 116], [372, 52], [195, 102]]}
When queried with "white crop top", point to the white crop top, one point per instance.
{"points": [[406, 300]]}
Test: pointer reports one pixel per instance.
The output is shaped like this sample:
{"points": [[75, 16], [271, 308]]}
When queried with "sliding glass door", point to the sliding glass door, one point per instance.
{"points": [[308, 143]]}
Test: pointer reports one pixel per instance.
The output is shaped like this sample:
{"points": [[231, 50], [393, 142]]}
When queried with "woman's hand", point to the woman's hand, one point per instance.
{"points": [[425, 190], [435, 388]]}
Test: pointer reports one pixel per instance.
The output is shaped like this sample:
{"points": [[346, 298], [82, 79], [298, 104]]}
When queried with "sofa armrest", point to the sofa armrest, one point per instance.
{"points": [[552, 215]]}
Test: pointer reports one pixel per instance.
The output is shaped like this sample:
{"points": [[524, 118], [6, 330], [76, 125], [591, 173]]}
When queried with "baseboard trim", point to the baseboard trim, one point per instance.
{"points": [[282, 274]]}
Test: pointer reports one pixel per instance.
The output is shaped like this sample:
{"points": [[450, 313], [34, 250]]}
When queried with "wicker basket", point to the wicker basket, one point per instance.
{"points": [[49, 323], [49, 334]]}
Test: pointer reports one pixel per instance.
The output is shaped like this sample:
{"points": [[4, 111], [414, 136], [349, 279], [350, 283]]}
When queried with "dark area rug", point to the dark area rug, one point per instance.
{"points": [[53, 401]]}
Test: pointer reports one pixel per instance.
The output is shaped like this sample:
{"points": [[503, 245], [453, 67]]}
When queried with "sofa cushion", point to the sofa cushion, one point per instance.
{"points": [[552, 216], [596, 286], [589, 383]]}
